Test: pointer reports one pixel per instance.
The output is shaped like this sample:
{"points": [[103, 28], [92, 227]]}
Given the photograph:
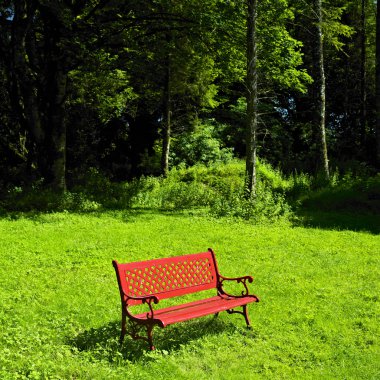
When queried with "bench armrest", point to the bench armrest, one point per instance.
{"points": [[243, 280], [238, 279], [149, 300], [144, 299]]}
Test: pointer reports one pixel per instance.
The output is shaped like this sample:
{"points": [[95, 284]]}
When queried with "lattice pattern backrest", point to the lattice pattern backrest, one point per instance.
{"points": [[170, 277]]}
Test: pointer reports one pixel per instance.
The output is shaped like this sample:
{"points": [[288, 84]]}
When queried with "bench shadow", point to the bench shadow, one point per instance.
{"points": [[102, 343]]}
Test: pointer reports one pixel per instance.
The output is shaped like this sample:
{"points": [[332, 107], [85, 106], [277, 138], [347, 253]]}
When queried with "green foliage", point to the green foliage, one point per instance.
{"points": [[333, 28], [279, 54], [221, 189], [201, 146], [265, 206], [218, 188], [43, 200], [348, 194], [60, 306], [100, 85]]}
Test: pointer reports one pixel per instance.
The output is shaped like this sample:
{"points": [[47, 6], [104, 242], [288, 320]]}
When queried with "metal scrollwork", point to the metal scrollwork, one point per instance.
{"points": [[239, 280], [135, 329], [244, 282], [149, 302]]}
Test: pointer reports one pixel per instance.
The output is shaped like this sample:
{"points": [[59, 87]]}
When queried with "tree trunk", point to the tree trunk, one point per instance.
{"points": [[24, 93], [38, 97], [363, 79], [252, 98], [320, 92], [58, 135], [55, 89], [166, 130], [378, 85]]}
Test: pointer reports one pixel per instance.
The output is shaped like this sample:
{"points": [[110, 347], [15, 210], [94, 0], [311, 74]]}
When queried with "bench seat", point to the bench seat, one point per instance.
{"points": [[200, 308]]}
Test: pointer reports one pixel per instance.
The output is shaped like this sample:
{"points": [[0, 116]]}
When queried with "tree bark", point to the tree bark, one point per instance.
{"points": [[166, 130], [378, 85], [363, 78], [58, 136], [37, 92], [24, 90], [56, 88], [252, 99], [320, 92]]}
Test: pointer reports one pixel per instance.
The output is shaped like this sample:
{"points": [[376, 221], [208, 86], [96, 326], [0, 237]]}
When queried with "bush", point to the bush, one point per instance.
{"points": [[266, 205], [200, 147], [217, 187], [171, 193], [348, 194], [46, 201]]}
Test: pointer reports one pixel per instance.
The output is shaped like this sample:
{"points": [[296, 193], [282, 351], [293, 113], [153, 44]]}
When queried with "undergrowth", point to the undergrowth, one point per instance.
{"points": [[218, 189], [347, 194]]}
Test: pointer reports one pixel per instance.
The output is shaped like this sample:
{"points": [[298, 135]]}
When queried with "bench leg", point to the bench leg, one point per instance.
{"points": [[245, 313], [123, 327], [149, 329]]}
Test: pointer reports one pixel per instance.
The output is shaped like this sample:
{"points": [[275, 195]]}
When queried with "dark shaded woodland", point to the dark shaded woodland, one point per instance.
{"points": [[133, 88]]}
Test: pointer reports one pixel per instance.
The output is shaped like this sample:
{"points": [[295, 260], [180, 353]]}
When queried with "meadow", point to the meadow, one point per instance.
{"points": [[60, 309]]}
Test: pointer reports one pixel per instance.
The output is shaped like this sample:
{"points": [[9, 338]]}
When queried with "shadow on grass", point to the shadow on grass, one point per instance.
{"points": [[103, 343], [335, 220]]}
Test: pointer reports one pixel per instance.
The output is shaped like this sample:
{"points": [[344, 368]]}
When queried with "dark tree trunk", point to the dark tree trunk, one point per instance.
{"points": [[37, 88], [363, 79], [320, 93], [55, 95], [58, 134], [378, 85], [166, 130], [24, 93], [252, 99]]}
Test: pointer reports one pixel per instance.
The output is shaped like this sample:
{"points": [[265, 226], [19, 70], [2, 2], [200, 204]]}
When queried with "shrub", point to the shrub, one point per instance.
{"points": [[200, 147], [348, 194], [46, 200], [218, 187], [265, 206], [171, 193]]}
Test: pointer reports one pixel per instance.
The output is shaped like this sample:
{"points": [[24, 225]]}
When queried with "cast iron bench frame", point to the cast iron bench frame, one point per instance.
{"points": [[148, 282]]}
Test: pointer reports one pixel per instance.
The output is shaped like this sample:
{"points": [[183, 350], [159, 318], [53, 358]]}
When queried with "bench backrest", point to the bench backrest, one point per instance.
{"points": [[167, 277]]}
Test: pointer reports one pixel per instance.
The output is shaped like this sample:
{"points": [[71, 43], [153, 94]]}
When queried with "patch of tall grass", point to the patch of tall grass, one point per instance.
{"points": [[217, 188], [346, 194]]}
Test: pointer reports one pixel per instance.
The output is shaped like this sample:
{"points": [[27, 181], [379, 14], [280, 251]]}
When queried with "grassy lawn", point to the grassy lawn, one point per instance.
{"points": [[60, 311]]}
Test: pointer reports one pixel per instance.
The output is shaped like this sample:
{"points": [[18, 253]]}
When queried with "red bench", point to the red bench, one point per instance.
{"points": [[148, 282]]}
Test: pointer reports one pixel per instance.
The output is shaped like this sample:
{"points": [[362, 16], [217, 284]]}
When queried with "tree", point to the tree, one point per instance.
{"points": [[172, 69], [43, 43], [363, 72], [38, 62], [276, 68], [320, 89], [340, 73], [378, 84], [252, 98]]}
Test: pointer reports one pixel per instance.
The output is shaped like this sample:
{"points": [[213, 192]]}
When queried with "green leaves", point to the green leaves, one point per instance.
{"points": [[102, 86], [333, 28]]}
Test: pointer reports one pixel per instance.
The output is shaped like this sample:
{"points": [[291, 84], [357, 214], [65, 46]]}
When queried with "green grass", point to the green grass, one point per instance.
{"points": [[59, 311]]}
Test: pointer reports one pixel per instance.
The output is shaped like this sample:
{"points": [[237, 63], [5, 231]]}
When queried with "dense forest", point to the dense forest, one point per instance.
{"points": [[132, 88]]}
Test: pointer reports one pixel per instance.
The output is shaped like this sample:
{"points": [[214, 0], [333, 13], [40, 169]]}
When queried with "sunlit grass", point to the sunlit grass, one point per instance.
{"points": [[60, 312]]}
